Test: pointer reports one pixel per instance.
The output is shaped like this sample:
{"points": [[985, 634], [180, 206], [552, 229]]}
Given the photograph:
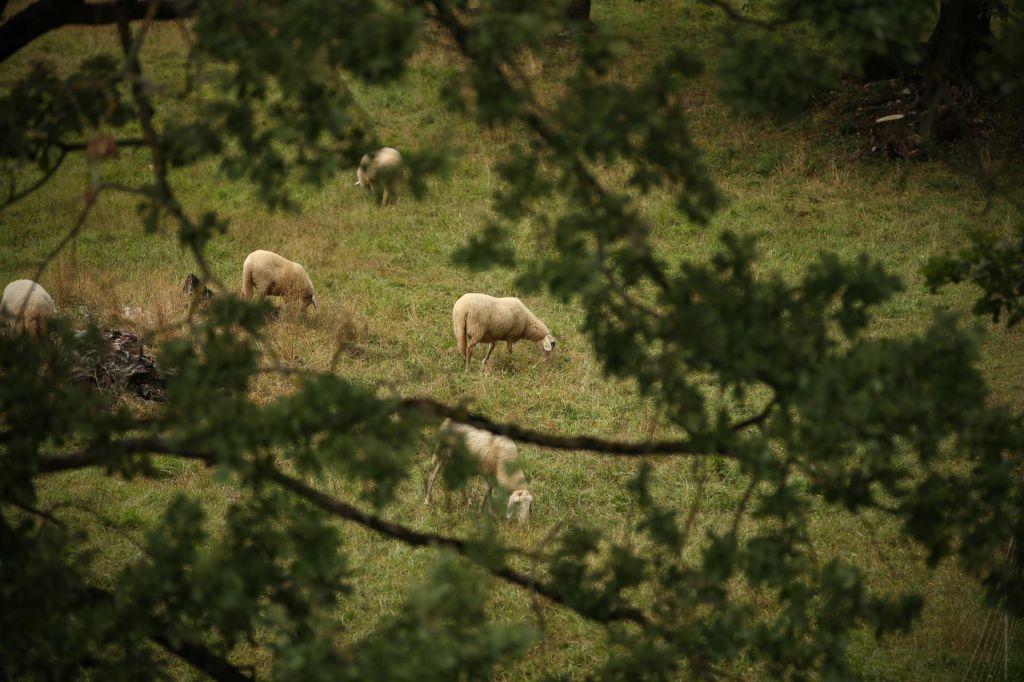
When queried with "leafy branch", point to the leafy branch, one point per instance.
{"points": [[44, 16], [335, 507]]}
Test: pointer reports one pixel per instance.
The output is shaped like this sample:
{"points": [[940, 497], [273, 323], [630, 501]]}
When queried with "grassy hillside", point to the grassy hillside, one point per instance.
{"points": [[384, 277]]}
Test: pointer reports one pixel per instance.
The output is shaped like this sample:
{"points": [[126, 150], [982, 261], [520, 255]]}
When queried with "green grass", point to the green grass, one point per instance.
{"points": [[389, 272]]}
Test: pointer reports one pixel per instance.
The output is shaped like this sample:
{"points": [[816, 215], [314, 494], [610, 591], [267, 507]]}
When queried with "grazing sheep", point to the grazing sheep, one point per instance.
{"points": [[383, 168], [479, 318], [26, 308], [496, 458], [267, 274]]}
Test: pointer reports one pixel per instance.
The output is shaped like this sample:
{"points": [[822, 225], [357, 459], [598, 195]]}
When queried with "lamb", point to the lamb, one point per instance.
{"points": [[383, 167], [26, 308], [479, 318], [496, 458], [267, 274]]}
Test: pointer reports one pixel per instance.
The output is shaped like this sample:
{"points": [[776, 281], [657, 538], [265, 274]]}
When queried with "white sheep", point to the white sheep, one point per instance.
{"points": [[479, 318], [26, 308], [265, 273], [496, 461], [384, 168]]}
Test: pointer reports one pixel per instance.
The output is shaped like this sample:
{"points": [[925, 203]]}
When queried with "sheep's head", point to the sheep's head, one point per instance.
{"points": [[519, 503], [362, 178], [309, 300], [547, 346]]}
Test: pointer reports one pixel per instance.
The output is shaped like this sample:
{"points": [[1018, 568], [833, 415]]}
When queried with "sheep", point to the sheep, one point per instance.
{"points": [[385, 167], [496, 460], [26, 308], [479, 318], [265, 273]]}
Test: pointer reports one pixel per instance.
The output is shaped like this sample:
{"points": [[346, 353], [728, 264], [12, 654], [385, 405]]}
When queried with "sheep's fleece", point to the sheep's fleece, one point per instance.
{"points": [[26, 308], [265, 273], [496, 460], [479, 318], [384, 169]]}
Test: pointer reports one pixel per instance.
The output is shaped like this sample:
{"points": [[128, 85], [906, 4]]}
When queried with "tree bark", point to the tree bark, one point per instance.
{"points": [[963, 31], [578, 10]]}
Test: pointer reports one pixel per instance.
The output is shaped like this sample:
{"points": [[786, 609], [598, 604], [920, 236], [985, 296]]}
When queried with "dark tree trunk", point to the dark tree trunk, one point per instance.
{"points": [[578, 10], [962, 33]]}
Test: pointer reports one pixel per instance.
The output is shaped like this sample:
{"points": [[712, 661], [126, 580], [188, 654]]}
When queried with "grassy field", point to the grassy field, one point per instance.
{"points": [[386, 274]]}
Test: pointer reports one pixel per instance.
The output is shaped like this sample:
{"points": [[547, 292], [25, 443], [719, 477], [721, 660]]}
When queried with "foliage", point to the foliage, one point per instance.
{"points": [[994, 264], [805, 403]]}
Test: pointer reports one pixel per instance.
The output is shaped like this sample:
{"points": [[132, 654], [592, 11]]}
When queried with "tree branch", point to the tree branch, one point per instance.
{"points": [[44, 16], [14, 196], [740, 18], [336, 507], [193, 653], [757, 418], [557, 442]]}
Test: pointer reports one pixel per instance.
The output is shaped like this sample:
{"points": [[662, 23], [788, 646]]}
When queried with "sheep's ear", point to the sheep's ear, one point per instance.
{"points": [[313, 298], [356, 183], [548, 343], [510, 512]]}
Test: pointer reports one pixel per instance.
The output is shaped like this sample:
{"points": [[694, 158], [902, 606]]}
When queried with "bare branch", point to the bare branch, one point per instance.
{"points": [[742, 508], [741, 18], [46, 516], [757, 418], [558, 442], [14, 197], [702, 477]]}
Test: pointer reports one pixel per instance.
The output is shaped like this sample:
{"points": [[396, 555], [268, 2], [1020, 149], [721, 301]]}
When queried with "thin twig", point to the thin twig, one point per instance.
{"points": [[14, 197], [741, 18], [742, 508], [29, 509], [757, 418]]}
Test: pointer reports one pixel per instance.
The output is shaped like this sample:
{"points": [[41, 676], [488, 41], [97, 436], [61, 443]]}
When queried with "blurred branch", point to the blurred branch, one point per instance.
{"points": [[741, 18], [757, 418], [195, 654], [86, 458], [44, 16], [166, 198], [14, 196], [46, 516], [600, 445]]}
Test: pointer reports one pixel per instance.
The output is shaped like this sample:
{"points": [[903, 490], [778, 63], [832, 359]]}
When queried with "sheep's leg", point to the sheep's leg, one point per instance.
{"points": [[487, 496], [509, 347], [438, 463], [489, 351], [384, 197], [470, 345]]}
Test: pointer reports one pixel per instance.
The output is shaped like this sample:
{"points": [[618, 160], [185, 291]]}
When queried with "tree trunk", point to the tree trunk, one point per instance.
{"points": [[578, 10], [963, 31]]}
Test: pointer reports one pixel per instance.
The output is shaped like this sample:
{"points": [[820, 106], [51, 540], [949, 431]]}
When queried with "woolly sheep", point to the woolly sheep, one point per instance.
{"points": [[496, 460], [383, 167], [265, 273], [26, 308], [479, 318]]}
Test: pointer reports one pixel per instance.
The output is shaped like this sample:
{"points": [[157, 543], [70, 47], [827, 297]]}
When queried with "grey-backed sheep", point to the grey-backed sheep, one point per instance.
{"points": [[479, 318], [265, 273], [381, 169], [496, 460], [26, 308]]}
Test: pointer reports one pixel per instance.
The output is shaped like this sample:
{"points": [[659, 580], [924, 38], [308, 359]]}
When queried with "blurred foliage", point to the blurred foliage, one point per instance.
{"points": [[992, 263], [822, 412]]}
